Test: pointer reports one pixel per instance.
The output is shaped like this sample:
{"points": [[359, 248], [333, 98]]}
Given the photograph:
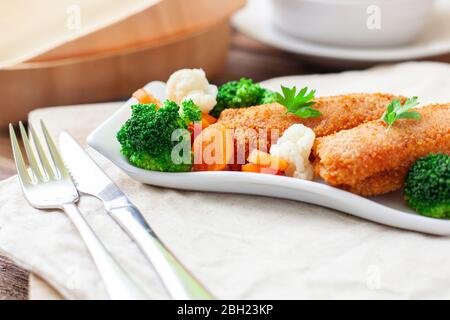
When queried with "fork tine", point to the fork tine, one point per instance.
{"points": [[57, 160], [48, 169], [30, 153], [18, 158]]}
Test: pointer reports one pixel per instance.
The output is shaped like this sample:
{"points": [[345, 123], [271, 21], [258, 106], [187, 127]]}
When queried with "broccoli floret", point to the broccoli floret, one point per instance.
{"points": [[427, 186], [239, 94], [190, 111], [146, 138], [268, 97]]}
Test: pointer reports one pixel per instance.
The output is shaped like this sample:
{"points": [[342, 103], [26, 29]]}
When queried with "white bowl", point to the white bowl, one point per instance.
{"points": [[355, 23]]}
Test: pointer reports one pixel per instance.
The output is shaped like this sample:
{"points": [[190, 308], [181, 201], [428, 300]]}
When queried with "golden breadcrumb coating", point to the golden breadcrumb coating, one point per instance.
{"points": [[338, 113], [379, 183], [371, 160], [260, 126]]}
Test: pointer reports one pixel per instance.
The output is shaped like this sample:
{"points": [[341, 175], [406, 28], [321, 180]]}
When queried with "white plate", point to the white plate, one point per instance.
{"points": [[389, 210], [255, 21]]}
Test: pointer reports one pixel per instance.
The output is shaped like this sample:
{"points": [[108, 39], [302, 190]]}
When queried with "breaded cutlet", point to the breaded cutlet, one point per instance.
{"points": [[371, 160], [260, 126]]}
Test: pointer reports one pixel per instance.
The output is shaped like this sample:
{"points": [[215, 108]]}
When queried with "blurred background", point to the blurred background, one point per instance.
{"points": [[70, 52]]}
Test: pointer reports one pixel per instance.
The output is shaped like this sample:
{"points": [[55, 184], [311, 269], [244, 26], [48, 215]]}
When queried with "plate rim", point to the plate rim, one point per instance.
{"points": [[389, 216]]}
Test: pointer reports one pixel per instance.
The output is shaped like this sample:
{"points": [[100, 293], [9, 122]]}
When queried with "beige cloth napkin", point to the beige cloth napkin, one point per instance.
{"points": [[241, 247]]}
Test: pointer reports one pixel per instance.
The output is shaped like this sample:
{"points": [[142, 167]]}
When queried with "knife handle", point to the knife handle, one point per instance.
{"points": [[118, 284], [179, 282]]}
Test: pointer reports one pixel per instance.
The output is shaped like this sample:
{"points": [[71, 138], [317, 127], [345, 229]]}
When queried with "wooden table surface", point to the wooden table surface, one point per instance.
{"points": [[247, 58]]}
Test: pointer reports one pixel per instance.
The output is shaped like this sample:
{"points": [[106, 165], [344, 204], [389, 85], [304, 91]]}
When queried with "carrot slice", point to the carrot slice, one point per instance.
{"points": [[235, 167], [193, 126], [146, 98], [265, 159], [209, 118], [213, 149], [205, 123], [251, 167]]}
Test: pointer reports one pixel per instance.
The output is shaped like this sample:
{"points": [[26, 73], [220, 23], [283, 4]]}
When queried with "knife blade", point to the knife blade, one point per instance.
{"points": [[90, 179]]}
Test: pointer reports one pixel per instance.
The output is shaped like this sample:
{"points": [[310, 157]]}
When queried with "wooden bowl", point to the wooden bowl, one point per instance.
{"points": [[49, 30], [110, 75], [155, 24]]}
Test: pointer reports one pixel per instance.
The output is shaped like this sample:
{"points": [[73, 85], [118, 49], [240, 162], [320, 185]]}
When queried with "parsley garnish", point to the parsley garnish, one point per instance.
{"points": [[395, 111], [298, 103]]}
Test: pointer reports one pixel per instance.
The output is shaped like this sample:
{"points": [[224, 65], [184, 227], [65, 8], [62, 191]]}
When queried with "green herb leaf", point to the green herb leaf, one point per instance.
{"points": [[298, 103], [395, 111], [410, 115]]}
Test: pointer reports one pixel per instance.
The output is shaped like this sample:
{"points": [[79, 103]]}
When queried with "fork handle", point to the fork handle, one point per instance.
{"points": [[180, 283], [118, 284]]}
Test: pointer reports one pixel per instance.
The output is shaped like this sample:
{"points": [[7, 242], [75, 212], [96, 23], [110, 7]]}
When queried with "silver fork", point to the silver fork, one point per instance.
{"points": [[48, 185]]}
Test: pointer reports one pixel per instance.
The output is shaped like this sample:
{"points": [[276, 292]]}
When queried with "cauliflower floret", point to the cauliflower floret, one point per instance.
{"points": [[206, 102], [295, 147], [192, 84]]}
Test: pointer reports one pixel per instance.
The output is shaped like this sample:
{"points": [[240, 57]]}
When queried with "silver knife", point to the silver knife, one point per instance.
{"points": [[90, 179]]}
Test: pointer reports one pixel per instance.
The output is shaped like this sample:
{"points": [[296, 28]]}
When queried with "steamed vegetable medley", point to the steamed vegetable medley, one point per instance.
{"points": [[181, 133], [242, 126]]}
